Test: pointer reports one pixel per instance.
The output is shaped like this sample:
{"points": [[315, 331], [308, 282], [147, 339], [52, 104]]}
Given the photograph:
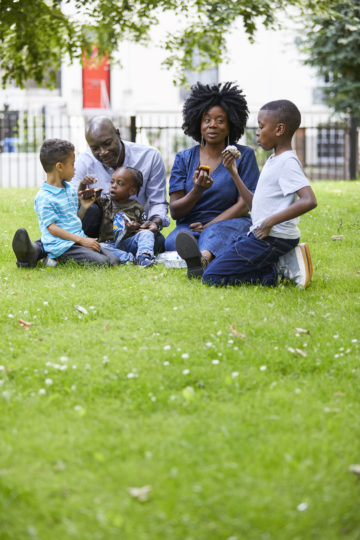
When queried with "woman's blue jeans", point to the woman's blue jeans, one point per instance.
{"points": [[215, 238]]}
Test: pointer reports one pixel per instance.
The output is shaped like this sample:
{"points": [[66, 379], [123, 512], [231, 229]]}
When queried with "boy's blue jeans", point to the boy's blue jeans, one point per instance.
{"points": [[248, 260], [142, 242]]}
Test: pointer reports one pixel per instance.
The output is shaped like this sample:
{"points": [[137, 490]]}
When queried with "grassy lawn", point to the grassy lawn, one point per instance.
{"points": [[242, 426]]}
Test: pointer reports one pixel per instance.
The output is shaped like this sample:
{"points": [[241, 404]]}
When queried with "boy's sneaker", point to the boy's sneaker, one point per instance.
{"points": [[145, 260], [188, 249], [49, 262], [27, 253], [296, 265]]}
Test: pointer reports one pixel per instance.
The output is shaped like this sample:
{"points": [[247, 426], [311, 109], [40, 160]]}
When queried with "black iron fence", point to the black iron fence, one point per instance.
{"points": [[324, 147]]}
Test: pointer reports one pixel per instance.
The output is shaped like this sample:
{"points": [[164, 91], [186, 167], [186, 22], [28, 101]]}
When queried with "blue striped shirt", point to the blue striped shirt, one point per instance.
{"points": [[59, 206]]}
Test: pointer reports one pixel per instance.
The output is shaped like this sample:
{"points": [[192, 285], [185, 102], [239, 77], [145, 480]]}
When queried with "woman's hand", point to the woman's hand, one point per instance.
{"points": [[197, 227], [202, 179], [229, 162]]}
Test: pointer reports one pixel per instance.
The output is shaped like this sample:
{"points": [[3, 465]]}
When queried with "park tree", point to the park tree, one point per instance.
{"points": [[332, 45], [36, 35]]}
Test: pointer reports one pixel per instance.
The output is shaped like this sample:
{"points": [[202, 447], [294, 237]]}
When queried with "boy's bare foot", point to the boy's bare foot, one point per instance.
{"points": [[27, 253]]}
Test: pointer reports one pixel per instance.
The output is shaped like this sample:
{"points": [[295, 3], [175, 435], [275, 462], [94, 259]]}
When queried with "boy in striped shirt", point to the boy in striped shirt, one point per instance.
{"points": [[57, 207]]}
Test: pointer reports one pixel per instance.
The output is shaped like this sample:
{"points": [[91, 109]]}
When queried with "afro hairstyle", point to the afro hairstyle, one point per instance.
{"points": [[228, 96]]}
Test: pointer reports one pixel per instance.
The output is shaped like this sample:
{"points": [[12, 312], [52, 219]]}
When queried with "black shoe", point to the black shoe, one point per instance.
{"points": [[188, 249], [27, 253]]}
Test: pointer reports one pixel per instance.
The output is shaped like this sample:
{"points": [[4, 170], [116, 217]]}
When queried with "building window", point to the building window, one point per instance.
{"points": [[330, 144]]}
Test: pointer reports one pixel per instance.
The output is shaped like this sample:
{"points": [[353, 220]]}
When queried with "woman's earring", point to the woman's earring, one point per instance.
{"points": [[202, 141]]}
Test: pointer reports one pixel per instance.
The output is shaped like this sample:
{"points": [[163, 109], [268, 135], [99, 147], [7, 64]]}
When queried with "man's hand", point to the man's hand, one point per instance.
{"points": [[197, 227], [132, 226], [90, 243], [263, 230], [87, 181], [150, 225], [86, 203]]}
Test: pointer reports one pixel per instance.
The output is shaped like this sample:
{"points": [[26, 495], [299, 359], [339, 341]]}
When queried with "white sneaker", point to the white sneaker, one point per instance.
{"points": [[296, 265]]}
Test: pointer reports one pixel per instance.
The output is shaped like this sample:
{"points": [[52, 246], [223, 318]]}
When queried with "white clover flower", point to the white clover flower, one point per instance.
{"points": [[302, 507], [48, 382], [185, 356], [208, 344], [235, 374], [186, 371], [215, 362], [46, 303], [42, 392], [263, 368], [64, 358], [11, 316], [167, 348], [166, 363]]}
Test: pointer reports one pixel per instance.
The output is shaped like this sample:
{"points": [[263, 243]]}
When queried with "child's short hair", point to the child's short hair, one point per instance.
{"points": [[53, 151], [286, 112], [137, 177]]}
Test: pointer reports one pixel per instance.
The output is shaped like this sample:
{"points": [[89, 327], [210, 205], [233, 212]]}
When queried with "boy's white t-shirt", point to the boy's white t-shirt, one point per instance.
{"points": [[280, 178]]}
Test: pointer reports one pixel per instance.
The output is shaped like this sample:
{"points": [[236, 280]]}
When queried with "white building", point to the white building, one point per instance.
{"points": [[271, 68]]}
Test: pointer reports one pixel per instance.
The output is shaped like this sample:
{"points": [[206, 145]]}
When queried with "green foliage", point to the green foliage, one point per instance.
{"points": [[34, 39], [195, 391], [332, 45]]}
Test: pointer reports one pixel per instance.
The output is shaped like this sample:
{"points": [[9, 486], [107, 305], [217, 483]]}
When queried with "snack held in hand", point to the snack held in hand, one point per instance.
{"points": [[204, 168], [233, 150], [89, 193]]}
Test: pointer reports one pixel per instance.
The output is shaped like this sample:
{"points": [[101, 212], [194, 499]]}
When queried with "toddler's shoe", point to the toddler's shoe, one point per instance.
{"points": [[296, 265], [27, 253], [145, 260], [188, 249]]}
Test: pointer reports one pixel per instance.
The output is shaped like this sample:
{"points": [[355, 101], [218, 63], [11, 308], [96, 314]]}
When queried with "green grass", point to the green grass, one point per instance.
{"points": [[230, 449]]}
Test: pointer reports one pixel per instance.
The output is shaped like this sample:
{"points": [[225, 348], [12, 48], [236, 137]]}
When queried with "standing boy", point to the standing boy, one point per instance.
{"points": [[57, 207], [283, 193], [122, 217]]}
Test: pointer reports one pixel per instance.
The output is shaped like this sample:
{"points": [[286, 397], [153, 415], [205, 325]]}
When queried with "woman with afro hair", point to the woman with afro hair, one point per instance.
{"points": [[206, 203]]}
